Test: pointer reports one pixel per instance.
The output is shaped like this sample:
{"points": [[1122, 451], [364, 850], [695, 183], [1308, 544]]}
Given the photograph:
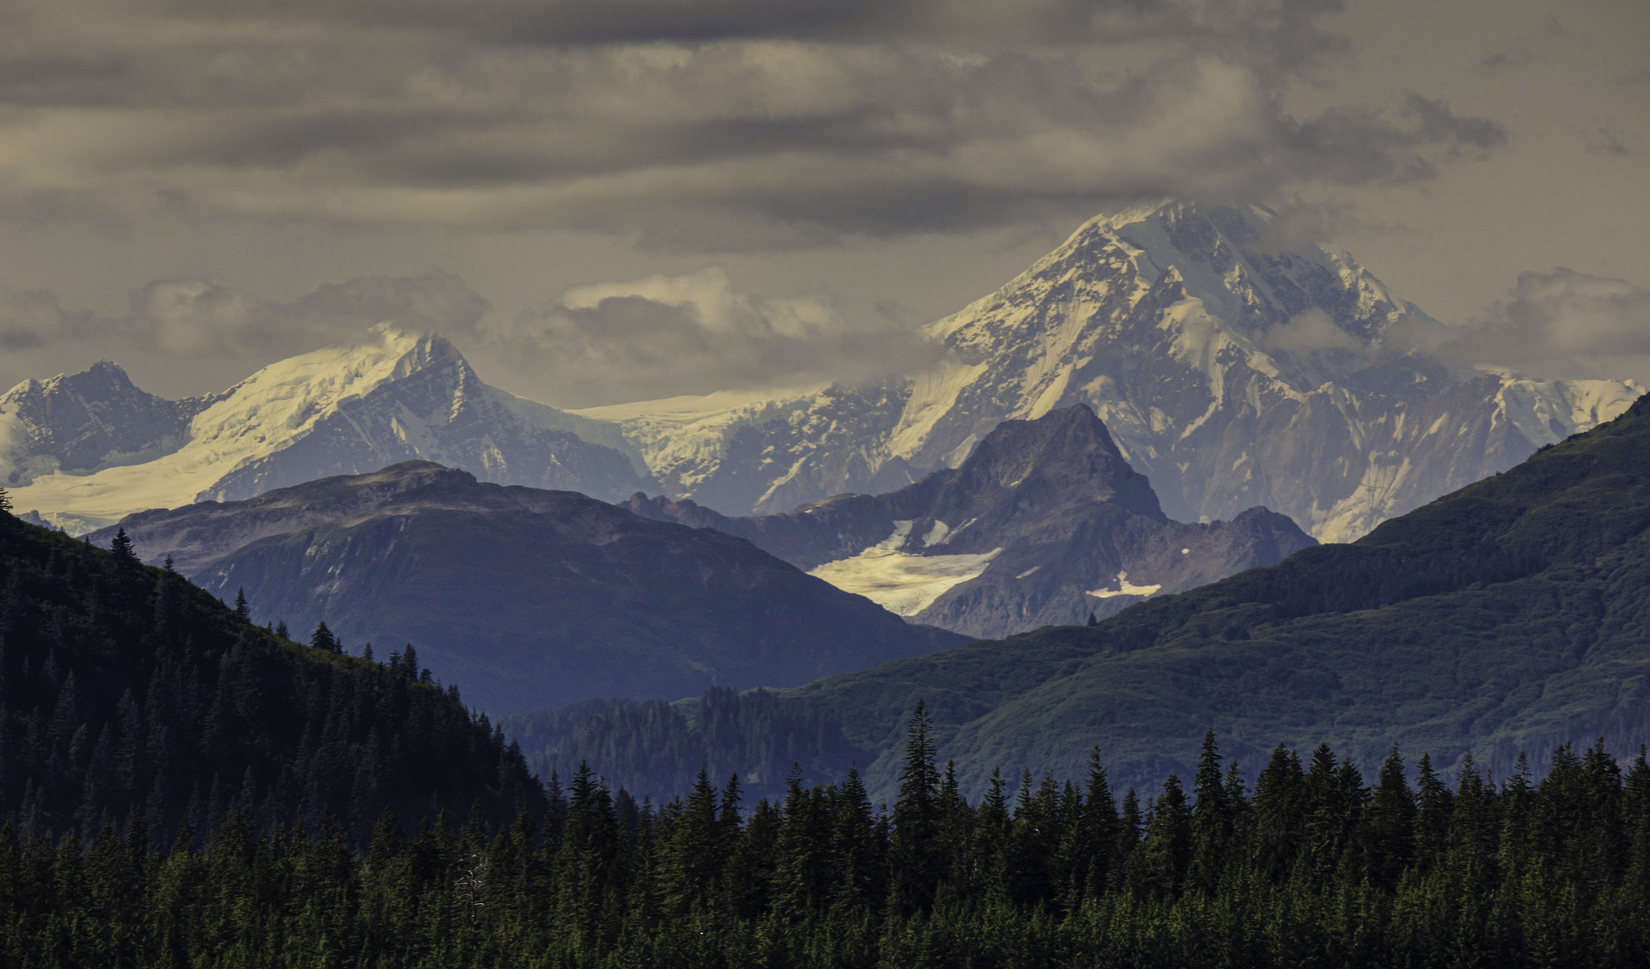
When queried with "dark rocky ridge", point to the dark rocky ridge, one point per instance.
{"points": [[97, 418], [1060, 501], [530, 598]]}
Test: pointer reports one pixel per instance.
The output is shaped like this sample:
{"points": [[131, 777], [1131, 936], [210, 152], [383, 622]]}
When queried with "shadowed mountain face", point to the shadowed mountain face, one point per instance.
{"points": [[1042, 525], [529, 598], [91, 420]]}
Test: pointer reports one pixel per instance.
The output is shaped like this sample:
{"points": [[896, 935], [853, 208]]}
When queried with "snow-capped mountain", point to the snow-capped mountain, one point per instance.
{"points": [[1232, 372], [88, 449], [1043, 524]]}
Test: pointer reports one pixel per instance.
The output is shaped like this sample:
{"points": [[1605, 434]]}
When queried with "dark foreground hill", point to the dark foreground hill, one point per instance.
{"points": [[1511, 615], [1044, 523], [530, 598], [126, 692]]}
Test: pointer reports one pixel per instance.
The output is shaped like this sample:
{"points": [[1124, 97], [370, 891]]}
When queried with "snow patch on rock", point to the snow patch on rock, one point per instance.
{"points": [[902, 583]]}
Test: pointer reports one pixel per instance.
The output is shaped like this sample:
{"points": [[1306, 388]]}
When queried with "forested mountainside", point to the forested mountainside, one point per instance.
{"points": [[130, 697], [1508, 616], [530, 598], [1045, 523], [1316, 867]]}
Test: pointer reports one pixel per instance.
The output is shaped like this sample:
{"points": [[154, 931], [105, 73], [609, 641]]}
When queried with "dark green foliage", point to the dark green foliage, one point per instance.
{"points": [[121, 548], [1058, 880], [656, 749], [1511, 615], [323, 639], [127, 693]]}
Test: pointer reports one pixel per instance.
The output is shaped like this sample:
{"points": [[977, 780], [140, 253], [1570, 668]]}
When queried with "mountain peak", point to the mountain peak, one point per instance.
{"points": [[1064, 455]]}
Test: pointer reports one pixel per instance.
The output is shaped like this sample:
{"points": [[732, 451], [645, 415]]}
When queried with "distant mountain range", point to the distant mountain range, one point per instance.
{"points": [[529, 598], [1045, 523], [1508, 616], [87, 449], [1231, 370]]}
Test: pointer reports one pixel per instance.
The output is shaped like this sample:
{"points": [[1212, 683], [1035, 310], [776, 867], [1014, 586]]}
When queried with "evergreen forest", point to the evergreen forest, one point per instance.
{"points": [[1315, 867], [130, 697]]}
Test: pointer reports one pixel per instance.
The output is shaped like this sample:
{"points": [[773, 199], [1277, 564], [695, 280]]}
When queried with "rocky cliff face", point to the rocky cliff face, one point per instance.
{"points": [[529, 598], [88, 421], [88, 449], [1231, 371], [1043, 524]]}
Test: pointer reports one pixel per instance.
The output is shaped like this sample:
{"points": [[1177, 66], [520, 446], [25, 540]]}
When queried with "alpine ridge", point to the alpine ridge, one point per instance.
{"points": [[1231, 370], [90, 448]]}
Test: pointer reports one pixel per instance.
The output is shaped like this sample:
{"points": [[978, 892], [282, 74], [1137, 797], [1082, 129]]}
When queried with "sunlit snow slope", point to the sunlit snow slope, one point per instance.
{"points": [[345, 410], [1231, 371]]}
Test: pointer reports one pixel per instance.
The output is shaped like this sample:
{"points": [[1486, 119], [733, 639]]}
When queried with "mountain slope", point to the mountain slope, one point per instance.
{"points": [[1510, 615], [1044, 523], [1232, 371], [125, 689], [398, 396], [531, 598]]}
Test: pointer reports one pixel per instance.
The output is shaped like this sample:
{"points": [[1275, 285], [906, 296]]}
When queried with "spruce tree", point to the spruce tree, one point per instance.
{"points": [[241, 608], [323, 639], [121, 546], [1211, 819], [916, 865], [1391, 824]]}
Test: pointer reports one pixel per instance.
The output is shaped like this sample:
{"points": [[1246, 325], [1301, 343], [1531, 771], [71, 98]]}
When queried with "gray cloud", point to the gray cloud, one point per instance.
{"points": [[728, 124], [212, 324], [1511, 57], [1610, 140], [1556, 324], [695, 334]]}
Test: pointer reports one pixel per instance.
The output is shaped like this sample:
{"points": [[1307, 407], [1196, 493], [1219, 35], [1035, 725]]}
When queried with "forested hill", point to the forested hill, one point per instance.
{"points": [[127, 692], [1511, 615]]}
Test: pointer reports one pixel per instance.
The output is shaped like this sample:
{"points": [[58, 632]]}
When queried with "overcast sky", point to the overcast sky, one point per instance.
{"points": [[602, 200]]}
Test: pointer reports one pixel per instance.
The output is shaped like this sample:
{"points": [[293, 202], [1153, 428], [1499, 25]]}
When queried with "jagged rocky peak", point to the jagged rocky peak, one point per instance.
{"points": [[85, 421], [1063, 456]]}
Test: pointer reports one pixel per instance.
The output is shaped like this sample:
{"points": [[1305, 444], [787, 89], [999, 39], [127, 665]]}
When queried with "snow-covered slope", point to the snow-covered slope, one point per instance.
{"points": [[346, 410], [1230, 371]]}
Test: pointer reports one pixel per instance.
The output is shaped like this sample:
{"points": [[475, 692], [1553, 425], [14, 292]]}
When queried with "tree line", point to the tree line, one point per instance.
{"points": [[1313, 867]]}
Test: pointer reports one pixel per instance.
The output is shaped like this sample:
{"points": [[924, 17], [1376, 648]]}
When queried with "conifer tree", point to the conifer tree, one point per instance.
{"points": [[121, 546], [1212, 819], [1433, 807], [5, 502], [916, 866], [241, 608], [1391, 823], [322, 638]]}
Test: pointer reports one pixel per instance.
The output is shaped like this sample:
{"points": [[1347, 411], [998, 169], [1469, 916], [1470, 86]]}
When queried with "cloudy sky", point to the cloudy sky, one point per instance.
{"points": [[602, 200]]}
